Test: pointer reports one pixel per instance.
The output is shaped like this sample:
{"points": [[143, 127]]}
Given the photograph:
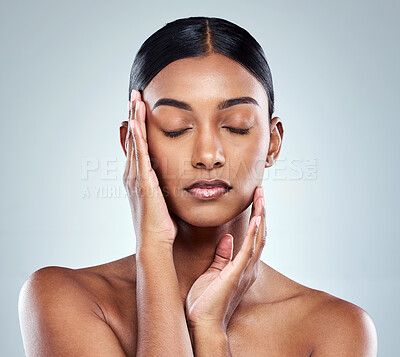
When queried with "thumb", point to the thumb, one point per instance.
{"points": [[223, 253]]}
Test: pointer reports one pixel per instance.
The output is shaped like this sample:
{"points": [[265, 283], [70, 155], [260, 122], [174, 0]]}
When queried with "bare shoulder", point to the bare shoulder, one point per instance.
{"points": [[58, 304], [321, 323], [340, 328], [95, 284], [56, 291], [83, 281], [48, 282]]}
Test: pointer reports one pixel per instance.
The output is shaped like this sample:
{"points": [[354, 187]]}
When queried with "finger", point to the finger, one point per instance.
{"points": [[141, 117], [259, 244], [147, 183], [131, 158], [259, 210], [247, 250], [256, 210], [129, 150], [259, 207], [138, 113], [143, 163], [258, 194], [223, 253]]}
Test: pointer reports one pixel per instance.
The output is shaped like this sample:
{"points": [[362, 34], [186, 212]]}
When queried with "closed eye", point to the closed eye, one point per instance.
{"points": [[174, 134], [238, 131]]}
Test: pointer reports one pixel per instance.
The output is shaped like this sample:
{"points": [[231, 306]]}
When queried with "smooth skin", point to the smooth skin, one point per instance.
{"points": [[215, 294], [182, 293]]}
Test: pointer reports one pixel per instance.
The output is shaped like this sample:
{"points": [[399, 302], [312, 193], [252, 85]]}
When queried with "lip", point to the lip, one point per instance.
{"points": [[208, 190], [209, 193], [209, 184]]}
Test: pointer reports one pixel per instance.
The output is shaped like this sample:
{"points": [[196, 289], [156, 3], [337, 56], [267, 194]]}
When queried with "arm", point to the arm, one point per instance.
{"points": [[162, 327], [58, 318]]}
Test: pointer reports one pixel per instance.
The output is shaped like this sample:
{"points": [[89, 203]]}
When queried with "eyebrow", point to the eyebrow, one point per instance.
{"points": [[227, 103]]}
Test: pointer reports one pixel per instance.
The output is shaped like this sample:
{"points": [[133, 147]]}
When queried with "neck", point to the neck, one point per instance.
{"points": [[194, 247]]}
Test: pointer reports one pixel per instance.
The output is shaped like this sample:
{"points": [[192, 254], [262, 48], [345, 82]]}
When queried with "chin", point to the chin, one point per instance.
{"points": [[208, 213], [204, 222], [206, 216]]}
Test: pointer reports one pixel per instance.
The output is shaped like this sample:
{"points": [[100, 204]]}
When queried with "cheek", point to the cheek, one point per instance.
{"points": [[166, 162], [248, 163]]}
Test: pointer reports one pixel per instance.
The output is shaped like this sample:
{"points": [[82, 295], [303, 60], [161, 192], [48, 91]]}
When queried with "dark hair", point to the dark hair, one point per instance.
{"points": [[197, 37]]}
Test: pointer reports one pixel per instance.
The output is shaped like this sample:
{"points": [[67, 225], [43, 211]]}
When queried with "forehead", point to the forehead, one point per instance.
{"points": [[212, 77]]}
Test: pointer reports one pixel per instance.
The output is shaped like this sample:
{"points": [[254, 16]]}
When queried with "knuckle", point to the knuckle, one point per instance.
{"points": [[250, 252], [131, 180], [127, 172], [140, 183], [141, 188]]}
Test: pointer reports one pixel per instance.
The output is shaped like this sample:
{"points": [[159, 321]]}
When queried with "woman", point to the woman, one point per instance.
{"points": [[199, 136]]}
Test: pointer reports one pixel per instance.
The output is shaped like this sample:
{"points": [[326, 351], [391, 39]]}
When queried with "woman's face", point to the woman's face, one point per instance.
{"points": [[208, 149]]}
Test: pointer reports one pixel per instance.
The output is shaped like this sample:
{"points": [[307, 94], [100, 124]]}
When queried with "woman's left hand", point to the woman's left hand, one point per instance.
{"points": [[215, 295]]}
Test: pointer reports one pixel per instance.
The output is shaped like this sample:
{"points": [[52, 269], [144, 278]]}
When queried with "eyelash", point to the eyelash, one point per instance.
{"points": [[174, 134]]}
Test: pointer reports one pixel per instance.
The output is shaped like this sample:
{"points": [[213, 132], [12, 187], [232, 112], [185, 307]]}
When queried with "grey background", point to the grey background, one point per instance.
{"points": [[332, 198]]}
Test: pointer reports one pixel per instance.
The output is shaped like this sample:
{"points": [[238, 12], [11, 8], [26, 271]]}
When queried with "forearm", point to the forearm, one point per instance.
{"points": [[162, 327], [210, 342]]}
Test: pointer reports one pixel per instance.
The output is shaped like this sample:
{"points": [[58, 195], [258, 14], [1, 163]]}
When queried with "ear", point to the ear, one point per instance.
{"points": [[123, 132], [275, 141]]}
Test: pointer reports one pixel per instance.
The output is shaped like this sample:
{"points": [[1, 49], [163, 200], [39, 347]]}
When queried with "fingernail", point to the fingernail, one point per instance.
{"points": [[258, 219], [133, 95], [136, 108], [263, 202], [262, 191], [132, 122]]}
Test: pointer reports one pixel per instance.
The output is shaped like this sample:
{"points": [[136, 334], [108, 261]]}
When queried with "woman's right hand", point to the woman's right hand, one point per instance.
{"points": [[154, 226], [160, 312]]}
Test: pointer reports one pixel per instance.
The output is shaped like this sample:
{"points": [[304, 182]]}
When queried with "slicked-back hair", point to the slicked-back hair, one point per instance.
{"points": [[198, 37]]}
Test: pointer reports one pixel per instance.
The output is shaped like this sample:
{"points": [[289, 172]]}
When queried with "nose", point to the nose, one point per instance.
{"points": [[207, 152]]}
